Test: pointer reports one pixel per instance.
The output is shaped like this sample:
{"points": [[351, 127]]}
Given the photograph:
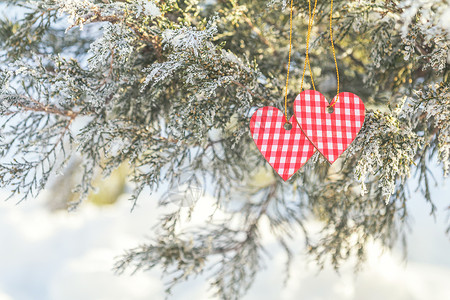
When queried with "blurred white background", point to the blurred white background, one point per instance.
{"points": [[62, 255]]}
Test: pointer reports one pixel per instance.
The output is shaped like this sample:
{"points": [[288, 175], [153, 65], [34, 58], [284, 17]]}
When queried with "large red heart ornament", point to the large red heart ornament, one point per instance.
{"points": [[285, 150], [330, 132]]}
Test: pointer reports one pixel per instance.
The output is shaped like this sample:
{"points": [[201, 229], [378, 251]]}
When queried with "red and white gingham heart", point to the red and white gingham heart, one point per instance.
{"points": [[285, 150], [331, 133]]}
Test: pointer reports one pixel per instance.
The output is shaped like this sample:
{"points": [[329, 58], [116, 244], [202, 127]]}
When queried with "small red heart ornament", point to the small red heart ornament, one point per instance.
{"points": [[285, 150], [330, 132]]}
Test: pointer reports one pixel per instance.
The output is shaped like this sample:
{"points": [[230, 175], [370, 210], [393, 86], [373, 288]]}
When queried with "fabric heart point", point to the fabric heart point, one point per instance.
{"points": [[286, 150], [330, 132]]}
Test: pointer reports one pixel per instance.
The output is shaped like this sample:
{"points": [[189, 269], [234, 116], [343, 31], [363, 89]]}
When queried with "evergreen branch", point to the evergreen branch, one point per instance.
{"points": [[169, 87]]}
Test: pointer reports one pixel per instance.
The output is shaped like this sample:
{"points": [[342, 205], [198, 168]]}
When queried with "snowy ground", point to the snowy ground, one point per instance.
{"points": [[54, 256]]}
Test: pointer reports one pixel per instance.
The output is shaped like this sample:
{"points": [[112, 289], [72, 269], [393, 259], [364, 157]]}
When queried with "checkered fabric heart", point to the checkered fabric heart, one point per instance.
{"points": [[285, 150], [331, 133]]}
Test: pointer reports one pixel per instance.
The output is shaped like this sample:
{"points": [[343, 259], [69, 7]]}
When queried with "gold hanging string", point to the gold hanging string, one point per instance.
{"points": [[310, 23], [334, 54], [289, 65]]}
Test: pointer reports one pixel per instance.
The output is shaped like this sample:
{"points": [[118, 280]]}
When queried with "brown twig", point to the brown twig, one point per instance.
{"points": [[96, 16], [39, 107]]}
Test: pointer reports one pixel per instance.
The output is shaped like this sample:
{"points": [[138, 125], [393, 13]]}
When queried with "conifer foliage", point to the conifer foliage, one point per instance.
{"points": [[168, 88]]}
